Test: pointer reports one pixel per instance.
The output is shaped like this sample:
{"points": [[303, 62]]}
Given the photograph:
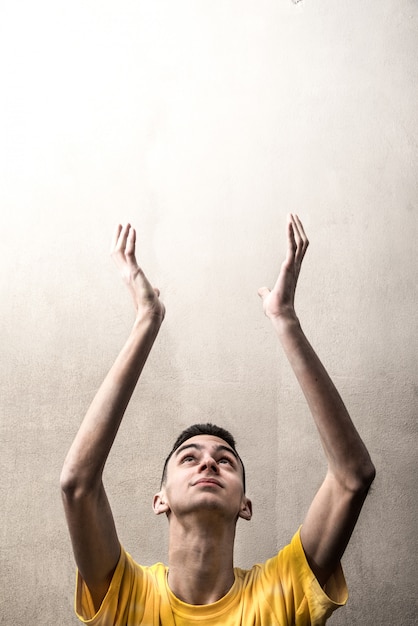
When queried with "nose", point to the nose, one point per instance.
{"points": [[209, 463]]}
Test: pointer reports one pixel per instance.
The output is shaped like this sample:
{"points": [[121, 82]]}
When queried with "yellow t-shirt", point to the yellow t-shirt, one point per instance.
{"points": [[280, 592]]}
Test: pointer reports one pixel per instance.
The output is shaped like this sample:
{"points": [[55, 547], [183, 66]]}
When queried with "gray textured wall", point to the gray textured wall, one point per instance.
{"points": [[204, 123]]}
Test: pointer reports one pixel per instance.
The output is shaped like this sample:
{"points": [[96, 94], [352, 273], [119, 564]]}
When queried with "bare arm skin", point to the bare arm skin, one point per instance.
{"points": [[334, 511], [89, 517]]}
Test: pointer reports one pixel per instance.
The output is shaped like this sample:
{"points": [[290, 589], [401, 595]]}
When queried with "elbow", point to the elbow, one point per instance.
{"points": [[362, 478], [69, 483], [355, 476], [70, 476], [370, 476], [74, 485]]}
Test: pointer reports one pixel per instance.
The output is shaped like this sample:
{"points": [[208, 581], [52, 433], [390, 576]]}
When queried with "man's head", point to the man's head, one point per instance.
{"points": [[203, 471], [202, 429]]}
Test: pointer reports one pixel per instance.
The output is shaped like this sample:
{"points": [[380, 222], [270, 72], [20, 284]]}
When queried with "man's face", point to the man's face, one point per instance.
{"points": [[205, 474]]}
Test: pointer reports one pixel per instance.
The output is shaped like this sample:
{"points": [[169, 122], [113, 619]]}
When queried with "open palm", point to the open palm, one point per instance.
{"points": [[279, 302]]}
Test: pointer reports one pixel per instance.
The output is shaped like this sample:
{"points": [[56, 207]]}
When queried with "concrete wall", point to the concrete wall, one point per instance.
{"points": [[204, 123]]}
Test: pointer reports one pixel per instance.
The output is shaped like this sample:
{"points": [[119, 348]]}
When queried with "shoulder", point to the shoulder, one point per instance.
{"points": [[139, 577], [131, 582], [288, 585], [290, 556]]}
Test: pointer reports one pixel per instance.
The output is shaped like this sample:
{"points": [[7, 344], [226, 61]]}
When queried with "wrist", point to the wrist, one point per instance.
{"points": [[286, 323], [149, 322]]}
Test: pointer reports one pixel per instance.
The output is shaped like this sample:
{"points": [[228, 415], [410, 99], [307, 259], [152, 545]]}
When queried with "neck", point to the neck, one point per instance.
{"points": [[200, 560]]}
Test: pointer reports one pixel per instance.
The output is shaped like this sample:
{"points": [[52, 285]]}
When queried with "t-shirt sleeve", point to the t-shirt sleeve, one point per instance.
{"points": [[128, 580], [302, 597]]}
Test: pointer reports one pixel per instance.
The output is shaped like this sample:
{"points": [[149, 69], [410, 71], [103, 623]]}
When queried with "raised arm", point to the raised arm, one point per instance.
{"points": [[334, 511], [89, 517]]}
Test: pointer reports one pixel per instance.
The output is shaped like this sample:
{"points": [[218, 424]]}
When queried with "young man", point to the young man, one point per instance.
{"points": [[203, 492]]}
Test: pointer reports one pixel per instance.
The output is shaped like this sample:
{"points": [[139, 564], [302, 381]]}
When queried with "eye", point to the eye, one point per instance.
{"points": [[225, 459], [187, 459]]}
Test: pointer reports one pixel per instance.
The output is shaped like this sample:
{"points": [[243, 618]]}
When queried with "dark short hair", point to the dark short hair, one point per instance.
{"points": [[202, 429]]}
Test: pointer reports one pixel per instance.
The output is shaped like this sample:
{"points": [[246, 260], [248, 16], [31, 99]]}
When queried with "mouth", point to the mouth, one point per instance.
{"points": [[208, 482]]}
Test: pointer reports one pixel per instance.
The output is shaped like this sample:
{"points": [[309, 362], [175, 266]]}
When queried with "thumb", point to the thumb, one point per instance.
{"points": [[263, 292]]}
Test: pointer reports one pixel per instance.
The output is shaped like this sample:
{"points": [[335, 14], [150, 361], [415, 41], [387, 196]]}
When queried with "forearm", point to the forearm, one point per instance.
{"points": [[348, 458], [86, 458]]}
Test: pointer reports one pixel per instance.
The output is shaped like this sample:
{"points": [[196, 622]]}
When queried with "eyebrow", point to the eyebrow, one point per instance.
{"points": [[197, 446]]}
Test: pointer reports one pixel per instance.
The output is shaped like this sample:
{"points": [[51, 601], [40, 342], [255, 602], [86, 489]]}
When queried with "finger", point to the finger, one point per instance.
{"points": [[291, 242], [130, 243], [115, 238], [296, 231], [304, 237], [301, 231], [123, 237], [300, 237], [130, 251], [263, 292]]}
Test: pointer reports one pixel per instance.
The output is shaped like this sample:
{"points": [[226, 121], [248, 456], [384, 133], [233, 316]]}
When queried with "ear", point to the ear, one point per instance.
{"points": [[246, 511], [159, 503]]}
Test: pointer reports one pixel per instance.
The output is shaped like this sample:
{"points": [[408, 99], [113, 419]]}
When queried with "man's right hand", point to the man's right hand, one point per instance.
{"points": [[146, 298]]}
